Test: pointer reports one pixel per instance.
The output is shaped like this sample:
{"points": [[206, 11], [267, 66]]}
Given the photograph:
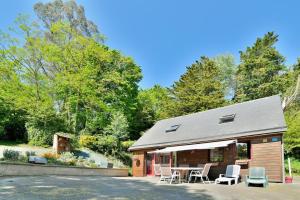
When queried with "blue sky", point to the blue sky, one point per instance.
{"points": [[165, 36]]}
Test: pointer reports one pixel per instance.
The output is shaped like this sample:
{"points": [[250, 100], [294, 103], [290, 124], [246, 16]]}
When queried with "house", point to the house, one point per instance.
{"points": [[249, 134]]}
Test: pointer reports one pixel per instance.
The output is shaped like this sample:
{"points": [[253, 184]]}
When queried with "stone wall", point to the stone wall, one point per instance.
{"points": [[16, 169]]}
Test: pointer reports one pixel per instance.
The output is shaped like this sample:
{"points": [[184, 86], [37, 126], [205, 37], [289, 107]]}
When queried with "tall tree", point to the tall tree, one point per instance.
{"points": [[260, 71], [152, 106], [292, 111], [92, 80], [70, 83], [67, 12], [198, 89], [228, 70], [296, 67]]}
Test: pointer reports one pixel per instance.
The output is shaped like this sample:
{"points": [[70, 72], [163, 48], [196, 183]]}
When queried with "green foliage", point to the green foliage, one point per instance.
{"points": [[69, 11], [11, 154], [126, 144], [152, 106], [260, 71], [88, 141], [295, 165], [199, 89], [125, 157], [228, 69], [108, 145], [68, 158], [292, 136], [74, 142], [118, 127], [63, 80], [58, 76], [39, 136], [12, 121]]}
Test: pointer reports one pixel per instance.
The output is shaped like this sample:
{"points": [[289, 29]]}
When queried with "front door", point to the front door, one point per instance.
{"points": [[149, 167]]}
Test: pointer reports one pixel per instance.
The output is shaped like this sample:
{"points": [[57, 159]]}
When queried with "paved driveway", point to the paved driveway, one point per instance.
{"points": [[96, 187]]}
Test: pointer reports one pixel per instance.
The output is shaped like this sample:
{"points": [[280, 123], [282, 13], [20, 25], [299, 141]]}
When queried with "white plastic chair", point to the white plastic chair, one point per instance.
{"points": [[167, 175], [232, 173], [201, 174]]}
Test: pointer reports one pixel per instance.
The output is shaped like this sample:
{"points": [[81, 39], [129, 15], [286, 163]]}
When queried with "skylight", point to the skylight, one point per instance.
{"points": [[172, 128], [227, 118]]}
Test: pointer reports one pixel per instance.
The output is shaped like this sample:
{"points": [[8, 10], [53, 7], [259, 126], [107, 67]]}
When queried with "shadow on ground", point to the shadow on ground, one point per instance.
{"points": [[61, 187]]}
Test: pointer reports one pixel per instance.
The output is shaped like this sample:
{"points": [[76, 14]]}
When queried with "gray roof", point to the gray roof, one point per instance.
{"points": [[259, 116]]}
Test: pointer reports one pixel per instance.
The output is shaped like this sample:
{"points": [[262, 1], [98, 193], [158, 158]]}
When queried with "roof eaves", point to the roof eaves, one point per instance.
{"points": [[239, 134]]}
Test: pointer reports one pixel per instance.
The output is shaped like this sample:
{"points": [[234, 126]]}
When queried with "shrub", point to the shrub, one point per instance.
{"points": [[38, 137], [50, 155], [126, 144], [108, 145], [23, 158], [74, 142], [295, 164], [88, 141], [68, 158], [11, 154]]}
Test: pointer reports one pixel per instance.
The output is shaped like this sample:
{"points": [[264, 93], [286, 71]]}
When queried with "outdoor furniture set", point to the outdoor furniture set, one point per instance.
{"points": [[181, 173]]}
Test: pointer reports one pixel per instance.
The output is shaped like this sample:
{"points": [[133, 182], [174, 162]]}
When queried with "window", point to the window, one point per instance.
{"points": [[216, 155], [162, 159], [243, 150], [173, 128], [227, 118]]}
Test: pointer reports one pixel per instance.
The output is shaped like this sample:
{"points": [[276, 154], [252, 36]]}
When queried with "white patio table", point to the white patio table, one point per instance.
{"points": [[178, 169]]}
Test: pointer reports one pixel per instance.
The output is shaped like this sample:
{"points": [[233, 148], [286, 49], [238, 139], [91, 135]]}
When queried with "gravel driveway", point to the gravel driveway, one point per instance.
{"points": [[97, 187]]}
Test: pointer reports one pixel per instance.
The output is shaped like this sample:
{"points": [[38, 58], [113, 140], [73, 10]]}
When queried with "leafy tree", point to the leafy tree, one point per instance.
{"points": [[22, 82], [68, 84], [292, 113], [118, 126], [117, 131], [65, 11], [296, 67], [199, 89], [91, 80], [228, 70], [260, 71], [292, 136], [152, 106]]}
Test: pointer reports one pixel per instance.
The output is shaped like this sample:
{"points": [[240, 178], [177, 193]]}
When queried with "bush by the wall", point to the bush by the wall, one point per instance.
{"points": [[68, 158], [39, 137], [11, 154]]}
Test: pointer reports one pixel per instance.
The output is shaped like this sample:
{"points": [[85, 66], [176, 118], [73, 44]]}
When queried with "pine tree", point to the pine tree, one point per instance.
{"points": [[260, 71], [199, 89]]}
